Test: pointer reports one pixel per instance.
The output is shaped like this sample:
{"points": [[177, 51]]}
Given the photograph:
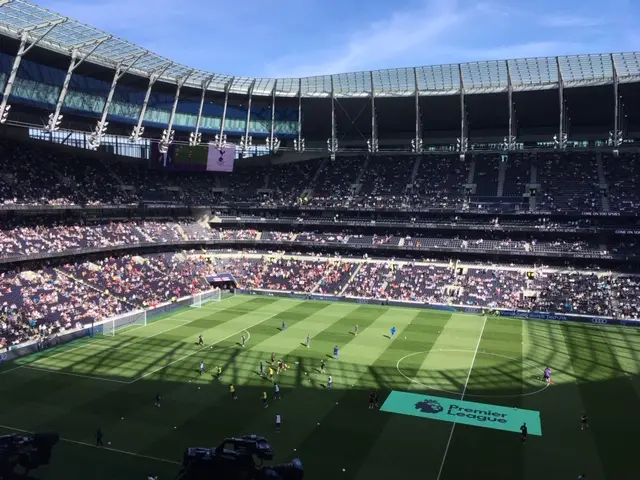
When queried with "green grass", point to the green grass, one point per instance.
{"points": [[111, 382]]}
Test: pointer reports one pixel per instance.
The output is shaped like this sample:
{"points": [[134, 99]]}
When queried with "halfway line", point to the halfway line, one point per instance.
{"points": [[464, 391]]}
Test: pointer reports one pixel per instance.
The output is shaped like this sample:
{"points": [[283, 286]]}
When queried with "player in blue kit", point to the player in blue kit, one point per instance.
{"points": [[158, 400], [547, 375], [336, 353], [523, 431], [393, 332], [202, 368]]}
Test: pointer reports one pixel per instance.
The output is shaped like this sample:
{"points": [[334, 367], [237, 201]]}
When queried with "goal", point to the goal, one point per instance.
{"points": [[111, 325], [199, 299]]}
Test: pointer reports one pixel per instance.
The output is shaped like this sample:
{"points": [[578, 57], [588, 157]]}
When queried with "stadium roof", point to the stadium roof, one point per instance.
{"points": [[18, 16]]}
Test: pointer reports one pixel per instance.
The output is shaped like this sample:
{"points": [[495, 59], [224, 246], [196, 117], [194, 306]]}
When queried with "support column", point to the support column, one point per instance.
{"points": [[463, 141], [299, 143], [101, 127], [273, 143], [616, 135], [195, 137], [373, 143], [138, 130], [76, 61], [168, 134], [332, 143], [510, 141], [23, 49], [561, 140], [245, 145], [221, 139], [416, 144]]}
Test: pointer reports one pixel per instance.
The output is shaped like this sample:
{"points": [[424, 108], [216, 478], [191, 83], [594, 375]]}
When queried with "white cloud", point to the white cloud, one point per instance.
{"points": [[572, 21], [382, 42]]}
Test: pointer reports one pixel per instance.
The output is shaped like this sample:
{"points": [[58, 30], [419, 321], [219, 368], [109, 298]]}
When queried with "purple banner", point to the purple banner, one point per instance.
{"points": [[221, 159]]}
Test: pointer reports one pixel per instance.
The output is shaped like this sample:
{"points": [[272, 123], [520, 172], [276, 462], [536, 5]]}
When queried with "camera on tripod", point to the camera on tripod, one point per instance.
{"points": [[27, 451], [237, 458]]}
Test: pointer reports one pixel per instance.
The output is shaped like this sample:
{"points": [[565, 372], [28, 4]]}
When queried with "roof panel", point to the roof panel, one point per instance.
{"points": [[484, 75], [401, 80], [316, 86], [288, 87], [627, 64], [586, 68], [525, 74], [444, 78], [533, 71]]}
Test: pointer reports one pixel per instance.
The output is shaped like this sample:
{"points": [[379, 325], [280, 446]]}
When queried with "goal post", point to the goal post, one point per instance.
{"points": [[111, 325], [199, 299]]}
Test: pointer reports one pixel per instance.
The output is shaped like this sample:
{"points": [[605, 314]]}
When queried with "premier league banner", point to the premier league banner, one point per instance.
{"points": [[221, 159]]}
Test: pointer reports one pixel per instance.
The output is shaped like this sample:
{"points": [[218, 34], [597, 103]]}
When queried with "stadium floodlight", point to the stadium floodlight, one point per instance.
{"points": [[372, 146], [96, 137], [416, 146], [195, 139], [166, 140], [560, 142], [136, 134], [53, 125], [274, 146], [246, 144], [219, 141], [299, 146], [4, 113], [462, 145], [332, 146]]}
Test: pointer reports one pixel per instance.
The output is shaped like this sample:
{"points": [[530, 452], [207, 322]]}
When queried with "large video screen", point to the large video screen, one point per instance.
{"points": [[201, 158]]}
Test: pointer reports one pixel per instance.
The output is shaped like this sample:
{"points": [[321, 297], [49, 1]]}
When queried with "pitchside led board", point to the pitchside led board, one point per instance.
{"points": [[459, 411]]}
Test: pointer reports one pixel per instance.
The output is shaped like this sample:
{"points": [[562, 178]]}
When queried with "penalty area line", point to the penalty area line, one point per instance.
{"points": [[109, 449]]}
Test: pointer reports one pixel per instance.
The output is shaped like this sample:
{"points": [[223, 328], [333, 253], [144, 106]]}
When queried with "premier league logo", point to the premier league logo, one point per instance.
{"points": [[429, 406]]}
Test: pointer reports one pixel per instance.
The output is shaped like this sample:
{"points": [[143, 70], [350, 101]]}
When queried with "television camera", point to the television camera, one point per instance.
{"points": [[237, 458], [28, 451]]}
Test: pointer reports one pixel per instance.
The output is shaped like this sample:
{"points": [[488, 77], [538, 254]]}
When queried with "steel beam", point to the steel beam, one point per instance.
{"points": [[300, 114], [227, 87], [616, 105], [76, 60], [418, 138], [463, 115], [272, 130], [245, 143], [205, 86], [121, 70], [561, 101], [334, 139], [153, 78], [374, 124], [180, 83], [22, 51]]}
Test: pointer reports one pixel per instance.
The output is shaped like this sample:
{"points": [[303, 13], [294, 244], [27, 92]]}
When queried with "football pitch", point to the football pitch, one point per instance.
{"points": [[111, 383]]}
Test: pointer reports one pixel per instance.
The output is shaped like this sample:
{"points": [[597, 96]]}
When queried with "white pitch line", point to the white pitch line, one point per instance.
{"points": [[85, 444], [70, 374], [204, 348], [464, 391]]}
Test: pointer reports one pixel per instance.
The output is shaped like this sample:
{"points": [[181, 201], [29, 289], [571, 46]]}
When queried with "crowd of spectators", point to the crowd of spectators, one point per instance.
{"points": [[42, 303], [35, 174]]}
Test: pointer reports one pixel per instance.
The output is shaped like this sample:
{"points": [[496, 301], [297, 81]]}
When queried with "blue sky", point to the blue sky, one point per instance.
{"points": [[313, 37]]}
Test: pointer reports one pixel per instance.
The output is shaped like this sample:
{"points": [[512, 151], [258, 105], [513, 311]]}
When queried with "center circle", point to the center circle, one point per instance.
{"points": [[492, 367]]}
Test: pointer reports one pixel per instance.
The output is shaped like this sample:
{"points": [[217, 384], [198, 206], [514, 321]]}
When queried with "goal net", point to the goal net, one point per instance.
{"points": [[199, 299], [113, 324]]}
